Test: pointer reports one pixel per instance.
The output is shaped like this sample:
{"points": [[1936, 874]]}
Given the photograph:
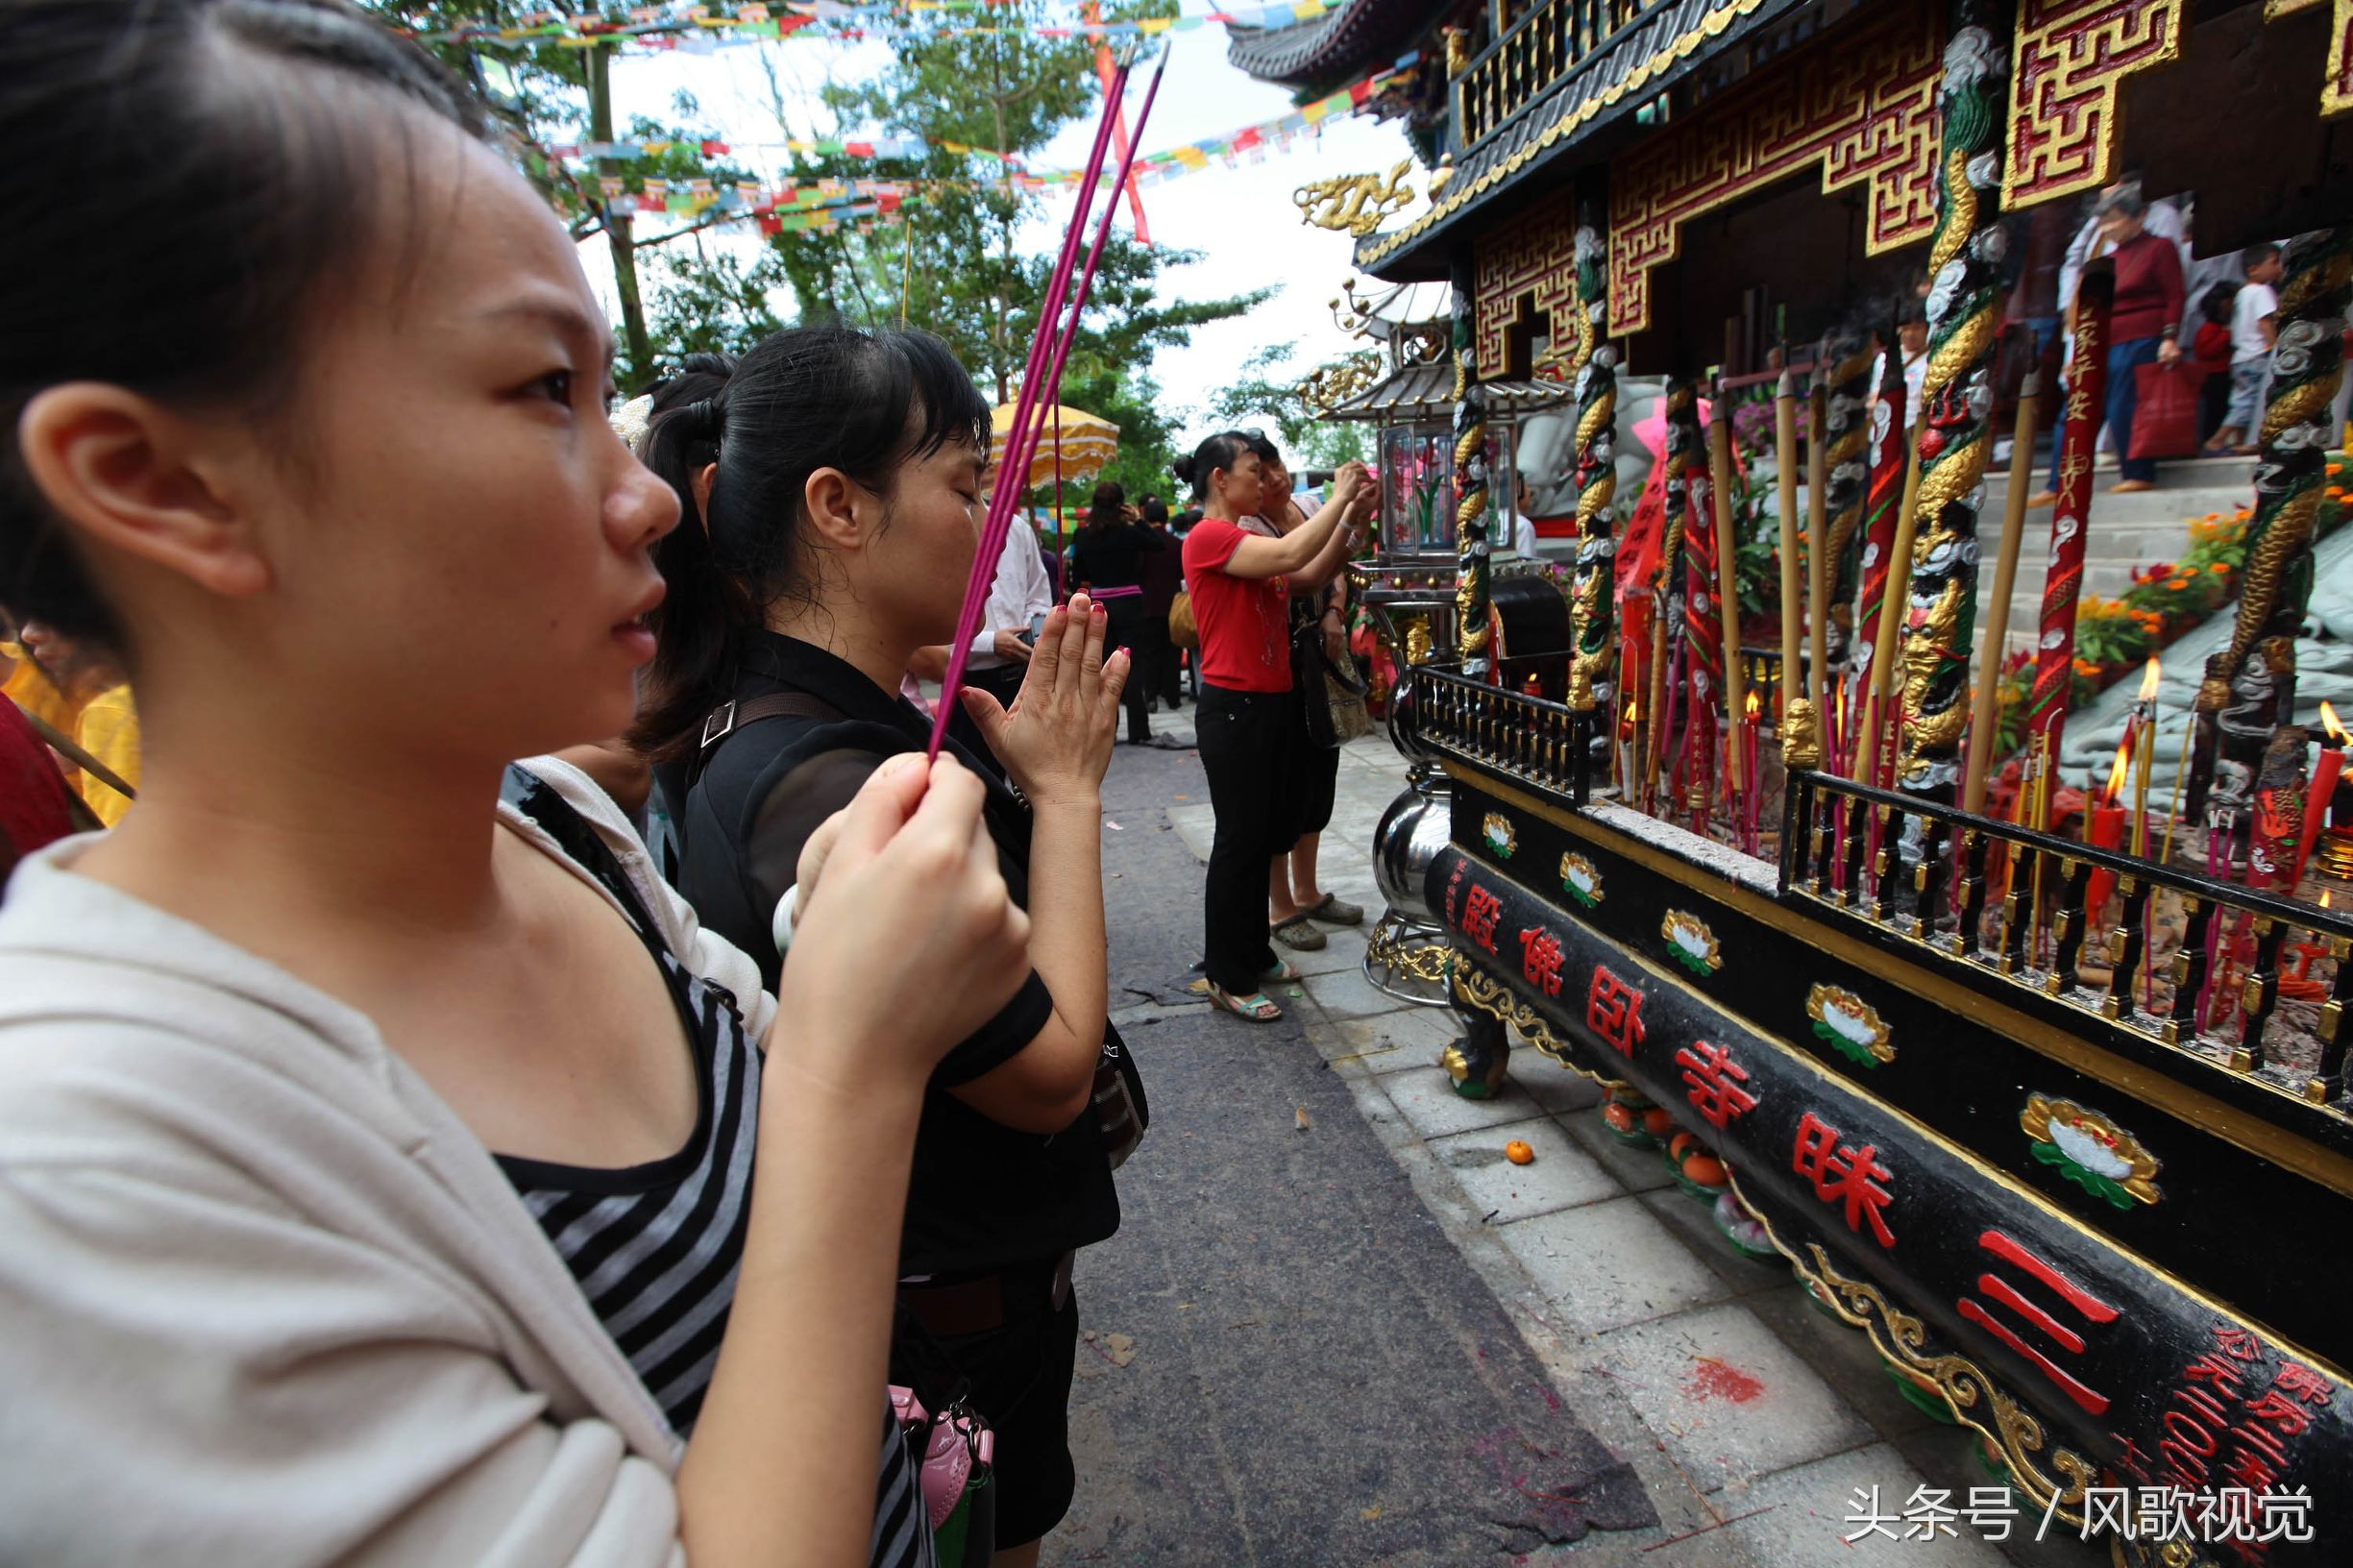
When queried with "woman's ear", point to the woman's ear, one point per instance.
{"points": [[136, 478], [834, 502], [701, 483]]}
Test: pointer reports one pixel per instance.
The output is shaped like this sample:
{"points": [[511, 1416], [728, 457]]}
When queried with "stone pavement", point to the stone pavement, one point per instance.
{"points": [[1750, 1416]]}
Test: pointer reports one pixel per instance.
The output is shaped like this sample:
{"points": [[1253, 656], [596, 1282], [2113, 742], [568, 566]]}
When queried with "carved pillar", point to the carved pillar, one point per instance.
{"points": [[1593, 654], [1472, 633], [1682, 445], [2251, 686], [1593, 592], [1957, 403], [1846, 436]]}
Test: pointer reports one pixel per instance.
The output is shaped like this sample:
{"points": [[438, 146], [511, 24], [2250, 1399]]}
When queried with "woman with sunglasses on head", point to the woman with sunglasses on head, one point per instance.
{"points": [[842, 506], [1241, 583], [376, 1132], [1294, 902]]}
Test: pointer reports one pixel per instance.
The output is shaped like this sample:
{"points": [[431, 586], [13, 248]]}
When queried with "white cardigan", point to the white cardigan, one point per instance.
{"points": [[263, 1299]]}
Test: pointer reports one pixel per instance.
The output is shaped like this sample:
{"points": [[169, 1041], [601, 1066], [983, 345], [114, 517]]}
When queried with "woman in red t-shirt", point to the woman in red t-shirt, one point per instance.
{"points": [[1247, 712]]}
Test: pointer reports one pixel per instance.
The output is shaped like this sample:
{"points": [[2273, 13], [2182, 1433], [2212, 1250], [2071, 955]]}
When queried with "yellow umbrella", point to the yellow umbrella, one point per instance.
{"points": [[1088, 444]]}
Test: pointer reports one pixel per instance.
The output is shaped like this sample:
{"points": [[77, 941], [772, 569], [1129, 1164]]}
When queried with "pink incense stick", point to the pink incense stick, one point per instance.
{"points": [[1039, 393], [1004, 497], [1086, 286]]}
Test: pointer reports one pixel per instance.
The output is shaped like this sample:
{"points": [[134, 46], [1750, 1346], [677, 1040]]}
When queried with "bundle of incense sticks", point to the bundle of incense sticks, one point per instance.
{"points": [[1042, 380]]}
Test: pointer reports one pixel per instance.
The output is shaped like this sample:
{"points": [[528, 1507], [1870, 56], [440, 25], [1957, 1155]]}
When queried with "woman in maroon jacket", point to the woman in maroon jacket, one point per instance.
{"points": [[2144, 327]]}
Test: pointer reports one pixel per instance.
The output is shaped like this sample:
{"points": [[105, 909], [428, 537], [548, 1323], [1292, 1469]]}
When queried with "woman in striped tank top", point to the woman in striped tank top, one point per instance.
{"points": [[385, 1175]]}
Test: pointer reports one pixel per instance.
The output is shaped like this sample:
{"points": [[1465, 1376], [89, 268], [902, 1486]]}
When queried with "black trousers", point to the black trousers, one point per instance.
{"points": [[1124, 627], [1157, 659], [1248, 752]]}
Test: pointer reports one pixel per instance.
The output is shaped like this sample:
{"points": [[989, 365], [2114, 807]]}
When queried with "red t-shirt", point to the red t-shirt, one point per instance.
{"points": [[1244, 621]]}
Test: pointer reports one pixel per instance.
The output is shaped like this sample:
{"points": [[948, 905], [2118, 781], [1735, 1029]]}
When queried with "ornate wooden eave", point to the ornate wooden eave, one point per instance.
{"points": [[1537, 104], [1351, 34]]}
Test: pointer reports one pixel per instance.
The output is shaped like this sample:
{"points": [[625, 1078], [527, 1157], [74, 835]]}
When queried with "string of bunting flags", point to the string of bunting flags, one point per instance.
{"points": [[680, 25], [754, 197]]}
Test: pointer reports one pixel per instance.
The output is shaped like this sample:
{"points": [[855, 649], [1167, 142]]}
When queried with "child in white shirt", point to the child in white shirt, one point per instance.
{"points": [[2254, 327]]}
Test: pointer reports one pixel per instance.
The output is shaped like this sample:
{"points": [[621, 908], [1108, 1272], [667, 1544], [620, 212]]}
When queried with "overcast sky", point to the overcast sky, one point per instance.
{"points": [[1243, 219]]}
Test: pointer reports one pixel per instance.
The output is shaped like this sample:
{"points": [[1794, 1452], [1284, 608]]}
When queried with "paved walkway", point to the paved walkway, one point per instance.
{"points": [[1339, 1328]]}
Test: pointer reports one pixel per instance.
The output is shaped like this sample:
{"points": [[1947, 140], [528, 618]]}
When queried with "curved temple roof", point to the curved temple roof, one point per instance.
{"points": [[1353, 32]]}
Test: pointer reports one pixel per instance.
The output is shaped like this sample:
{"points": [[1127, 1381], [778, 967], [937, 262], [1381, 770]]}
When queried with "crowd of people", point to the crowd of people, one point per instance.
{"points": [[681, 1140]]}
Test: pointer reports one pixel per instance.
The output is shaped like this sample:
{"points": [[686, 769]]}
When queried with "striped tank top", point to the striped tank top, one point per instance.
{"points": [[655, 1247]]}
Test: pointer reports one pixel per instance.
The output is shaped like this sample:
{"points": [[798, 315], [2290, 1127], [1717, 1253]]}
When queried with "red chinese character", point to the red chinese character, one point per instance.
{"points": [[2255, 1434], [2238, 1342], [1480, 912], [2088, 1308], [1715, 1081], [1540, 958], [2304, 1383], [2278, 1407], [2250, 1471], [1843, 1175], [2132, 1461], [2215, 1369], [1613, 1010]]}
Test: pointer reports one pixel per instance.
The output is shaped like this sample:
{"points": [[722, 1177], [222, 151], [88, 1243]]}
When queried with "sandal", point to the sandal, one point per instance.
{"points": [[1254, 1007], [1334, 909], [1299, 932], [1282, 969]]}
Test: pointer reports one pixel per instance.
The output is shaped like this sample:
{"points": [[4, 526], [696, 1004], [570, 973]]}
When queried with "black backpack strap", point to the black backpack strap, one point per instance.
{"points": [[733, 716]]}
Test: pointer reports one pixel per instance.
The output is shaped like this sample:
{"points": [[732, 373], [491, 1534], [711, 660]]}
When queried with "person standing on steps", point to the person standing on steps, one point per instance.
{"points": [[1247, 711]]}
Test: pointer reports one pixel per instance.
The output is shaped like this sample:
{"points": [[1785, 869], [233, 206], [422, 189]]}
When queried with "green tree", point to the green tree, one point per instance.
{"points": [[1265, 393]]}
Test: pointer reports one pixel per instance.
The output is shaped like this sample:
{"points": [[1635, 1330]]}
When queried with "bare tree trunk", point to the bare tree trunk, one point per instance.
{"points": [[617, 230]]}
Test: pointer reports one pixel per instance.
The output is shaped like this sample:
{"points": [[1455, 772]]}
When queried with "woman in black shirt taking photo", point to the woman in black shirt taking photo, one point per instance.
{"points": [[843, 510]]}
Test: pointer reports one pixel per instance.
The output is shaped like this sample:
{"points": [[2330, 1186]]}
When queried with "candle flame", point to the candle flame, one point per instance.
{"points": [[2149, 677], [2116, 774], [2336, 730], [1752, 706], [2324, 897]]}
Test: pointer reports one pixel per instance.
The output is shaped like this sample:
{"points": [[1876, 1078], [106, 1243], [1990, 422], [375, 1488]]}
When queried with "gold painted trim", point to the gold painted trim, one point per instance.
{"points": [[1993, 1174], [1713, 25], [1899, 1335], [1491, 997], [2240, 1128]]}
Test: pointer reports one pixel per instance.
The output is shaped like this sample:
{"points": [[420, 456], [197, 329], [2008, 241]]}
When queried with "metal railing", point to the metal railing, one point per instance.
{"points": [[2070, 921], [1532, 739], [1535, 53]]}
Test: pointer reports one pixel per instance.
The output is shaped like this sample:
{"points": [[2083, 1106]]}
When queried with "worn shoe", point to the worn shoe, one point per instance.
{"points": [[2130, 487], [1300, 933], [2044, 498], [1334, 909], [1255, 1007]]}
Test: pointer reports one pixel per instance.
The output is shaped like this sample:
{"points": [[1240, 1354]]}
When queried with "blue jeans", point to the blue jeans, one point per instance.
{"points": [[2124, 360]]}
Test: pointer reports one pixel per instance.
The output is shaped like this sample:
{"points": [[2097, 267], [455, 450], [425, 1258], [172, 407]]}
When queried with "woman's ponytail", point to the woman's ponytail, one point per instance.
{"points": [[804, 399], [706, 605]]}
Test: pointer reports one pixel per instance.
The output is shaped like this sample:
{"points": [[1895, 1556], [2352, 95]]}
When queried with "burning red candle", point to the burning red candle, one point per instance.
{"points": [[2323, 788], [2104, 828]]}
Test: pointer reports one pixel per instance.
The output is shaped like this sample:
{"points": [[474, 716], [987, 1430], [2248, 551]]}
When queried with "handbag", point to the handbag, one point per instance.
{"points": [[1121, 1113], [956, 1468], [1181, 631], [1347, 695], [2165, 416]]}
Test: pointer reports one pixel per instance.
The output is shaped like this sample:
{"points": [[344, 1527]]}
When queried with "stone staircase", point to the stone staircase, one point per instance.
{"points": [[2125, 532]]}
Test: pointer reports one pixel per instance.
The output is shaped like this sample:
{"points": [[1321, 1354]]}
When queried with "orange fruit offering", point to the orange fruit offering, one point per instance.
{"points": [[1519, 1153]]}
